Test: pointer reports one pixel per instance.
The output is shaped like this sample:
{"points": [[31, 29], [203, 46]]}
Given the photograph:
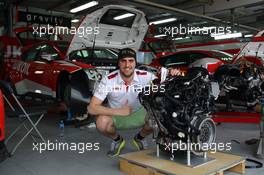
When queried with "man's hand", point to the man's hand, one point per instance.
{"points": [[258, 108], [125, 110], [174, 72]]}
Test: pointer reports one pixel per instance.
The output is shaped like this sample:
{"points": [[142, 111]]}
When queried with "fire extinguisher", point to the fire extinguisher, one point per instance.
{"points": [[3, 150], [2, 118]]}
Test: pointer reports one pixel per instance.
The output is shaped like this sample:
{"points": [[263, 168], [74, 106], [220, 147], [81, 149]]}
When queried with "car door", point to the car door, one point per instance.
{"points": [[20, 72], [40, 70]]}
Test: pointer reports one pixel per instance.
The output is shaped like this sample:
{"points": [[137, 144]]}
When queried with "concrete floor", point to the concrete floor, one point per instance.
{"points": [[29, 162]]}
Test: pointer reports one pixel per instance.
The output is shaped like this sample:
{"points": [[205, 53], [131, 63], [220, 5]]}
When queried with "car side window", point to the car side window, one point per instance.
{"points": [[31, 54], [85, 54], [105, 54], [48, 52], [76, 55], [110, 54], [80, 55], [101, 54]]}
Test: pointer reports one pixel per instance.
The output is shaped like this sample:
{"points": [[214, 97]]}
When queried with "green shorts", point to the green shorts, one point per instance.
{"points": [[132, 121]]}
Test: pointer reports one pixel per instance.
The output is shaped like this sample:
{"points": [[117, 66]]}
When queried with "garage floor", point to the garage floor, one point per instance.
{"points": [[29, 162]]}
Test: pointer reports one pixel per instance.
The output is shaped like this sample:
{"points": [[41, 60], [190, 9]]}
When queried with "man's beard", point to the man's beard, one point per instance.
{"points": [[129, 75]]}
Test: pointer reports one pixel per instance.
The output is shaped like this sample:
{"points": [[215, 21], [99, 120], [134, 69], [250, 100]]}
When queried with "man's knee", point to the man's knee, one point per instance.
{"points": [[103, 123]]}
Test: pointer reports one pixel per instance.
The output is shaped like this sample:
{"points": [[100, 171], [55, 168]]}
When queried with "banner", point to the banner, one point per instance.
{"points": [[43, 19]]}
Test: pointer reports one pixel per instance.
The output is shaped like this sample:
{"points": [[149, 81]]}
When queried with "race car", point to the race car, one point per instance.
{"points": [[253, 49], [242, 82], [231, 46], [45, 69], [42, 69], [184, 60]]}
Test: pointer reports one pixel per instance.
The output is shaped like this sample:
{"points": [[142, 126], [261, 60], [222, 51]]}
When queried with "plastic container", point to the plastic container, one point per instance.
{"points": [[61, 127]]}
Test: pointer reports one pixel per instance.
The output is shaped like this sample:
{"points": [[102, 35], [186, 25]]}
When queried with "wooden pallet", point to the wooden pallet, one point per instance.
{"points": [[143, 163]]}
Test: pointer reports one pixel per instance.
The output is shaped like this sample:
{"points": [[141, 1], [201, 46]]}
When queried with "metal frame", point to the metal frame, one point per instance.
{"points": [[260, 150], [25, 117]]}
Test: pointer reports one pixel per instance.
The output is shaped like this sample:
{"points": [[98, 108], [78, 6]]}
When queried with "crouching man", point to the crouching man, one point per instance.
{"points": [[123, 110]]}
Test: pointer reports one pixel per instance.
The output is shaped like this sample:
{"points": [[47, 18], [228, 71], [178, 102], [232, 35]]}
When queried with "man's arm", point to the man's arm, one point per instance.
{"points": [[96, 108], [258, 108]]}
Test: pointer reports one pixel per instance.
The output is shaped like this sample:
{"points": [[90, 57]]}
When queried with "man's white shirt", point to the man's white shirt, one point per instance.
{"points": [[118, 93]]}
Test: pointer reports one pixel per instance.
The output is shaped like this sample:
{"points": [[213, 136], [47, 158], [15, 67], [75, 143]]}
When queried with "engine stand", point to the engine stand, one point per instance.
{"points": [[183, 157], [188, 152], [157, 150], [260, 151], [145, 163]]}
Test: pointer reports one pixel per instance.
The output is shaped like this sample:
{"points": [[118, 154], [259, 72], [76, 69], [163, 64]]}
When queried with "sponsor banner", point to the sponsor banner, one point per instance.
{"points": [[43, 19]]}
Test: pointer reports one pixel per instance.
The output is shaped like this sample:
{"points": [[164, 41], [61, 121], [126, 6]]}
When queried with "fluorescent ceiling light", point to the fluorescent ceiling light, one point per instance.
{"points": [[227, 36], [163, 21], [38, 91], [177, 38], [180, 38], [84, 6], [248, 35], [158, 36], [126, 15], [75, 20]]}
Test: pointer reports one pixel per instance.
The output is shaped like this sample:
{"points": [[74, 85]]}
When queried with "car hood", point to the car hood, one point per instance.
{"points": [[254, 48], [108, 32]]}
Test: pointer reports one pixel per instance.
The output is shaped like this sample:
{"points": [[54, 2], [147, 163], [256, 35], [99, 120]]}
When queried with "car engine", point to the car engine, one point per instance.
{"points": [[181, 111], [241, 86]]}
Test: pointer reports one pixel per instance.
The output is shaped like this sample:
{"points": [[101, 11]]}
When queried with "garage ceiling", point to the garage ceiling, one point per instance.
{"points": [[249, 13]]}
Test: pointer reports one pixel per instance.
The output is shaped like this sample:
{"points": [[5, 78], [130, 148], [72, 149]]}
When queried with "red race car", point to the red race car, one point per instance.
{"points": [[42, 69], [253, 51], [241, 82], [45, 68], [184, 60]]}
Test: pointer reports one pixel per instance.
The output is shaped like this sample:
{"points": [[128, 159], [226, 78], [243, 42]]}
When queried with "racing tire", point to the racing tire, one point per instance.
{"points": [[66, 98]]}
